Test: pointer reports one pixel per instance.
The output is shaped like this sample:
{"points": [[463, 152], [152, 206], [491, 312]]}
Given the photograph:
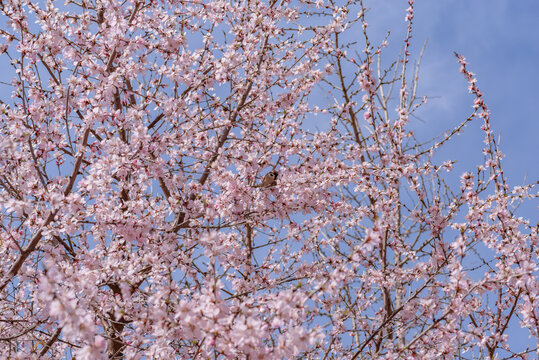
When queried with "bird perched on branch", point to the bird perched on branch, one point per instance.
{"points": [[269, 180]]}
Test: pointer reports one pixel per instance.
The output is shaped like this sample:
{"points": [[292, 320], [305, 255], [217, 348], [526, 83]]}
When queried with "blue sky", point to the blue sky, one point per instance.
{"points": [[499, 40]]}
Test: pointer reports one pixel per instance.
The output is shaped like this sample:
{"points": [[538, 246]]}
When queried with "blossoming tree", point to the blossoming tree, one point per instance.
{"points": [[133, 220]]}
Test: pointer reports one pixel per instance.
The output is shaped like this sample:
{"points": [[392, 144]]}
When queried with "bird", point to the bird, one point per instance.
{"points": [[269, 180]]}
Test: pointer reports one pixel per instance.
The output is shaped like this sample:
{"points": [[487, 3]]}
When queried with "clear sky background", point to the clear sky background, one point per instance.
{"points": [[500, 40]]}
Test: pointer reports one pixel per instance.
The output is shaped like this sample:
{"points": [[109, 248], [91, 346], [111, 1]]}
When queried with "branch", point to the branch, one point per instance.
{"points": [[51, 341]]}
